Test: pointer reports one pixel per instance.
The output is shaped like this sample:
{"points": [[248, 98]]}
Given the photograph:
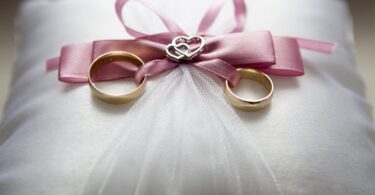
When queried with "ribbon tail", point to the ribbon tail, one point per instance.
{"points": [[318, 46], [73, 63], [53, 64], [221, 69], [289, 60]]}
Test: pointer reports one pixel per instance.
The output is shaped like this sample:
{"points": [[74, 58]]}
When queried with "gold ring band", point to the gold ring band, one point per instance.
{"points": [[246, 104], [112, 57]]}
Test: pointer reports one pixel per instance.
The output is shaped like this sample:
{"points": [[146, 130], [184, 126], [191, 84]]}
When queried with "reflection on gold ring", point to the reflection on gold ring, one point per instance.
{"points": [[112, 57], [248, 104]]}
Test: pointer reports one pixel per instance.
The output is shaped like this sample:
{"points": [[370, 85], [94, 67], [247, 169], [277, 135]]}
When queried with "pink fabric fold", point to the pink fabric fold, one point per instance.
{"points": [[274, 55]]}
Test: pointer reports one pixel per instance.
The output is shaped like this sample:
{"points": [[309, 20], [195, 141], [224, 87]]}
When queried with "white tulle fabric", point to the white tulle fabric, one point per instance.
{"points": [[182, 137]]}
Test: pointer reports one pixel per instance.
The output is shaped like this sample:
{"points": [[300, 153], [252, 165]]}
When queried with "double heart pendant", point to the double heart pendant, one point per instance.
{"points": [[185, 48]]}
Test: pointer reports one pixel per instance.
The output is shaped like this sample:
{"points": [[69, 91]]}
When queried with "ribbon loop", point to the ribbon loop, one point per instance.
{"points": [[210, 16], [212, 13], [171, 25], [240, 13]]}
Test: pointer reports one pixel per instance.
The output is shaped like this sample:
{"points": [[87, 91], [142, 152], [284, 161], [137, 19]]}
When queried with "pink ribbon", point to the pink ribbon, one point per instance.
{"points": [[274, 55]]}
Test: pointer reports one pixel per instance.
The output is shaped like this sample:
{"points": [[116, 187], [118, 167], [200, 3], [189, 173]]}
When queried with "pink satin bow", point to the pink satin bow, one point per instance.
{"points": [[274, 55]]}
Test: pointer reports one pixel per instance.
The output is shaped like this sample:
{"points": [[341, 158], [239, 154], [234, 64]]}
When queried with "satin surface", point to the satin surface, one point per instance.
{"points": [[316, 138]]}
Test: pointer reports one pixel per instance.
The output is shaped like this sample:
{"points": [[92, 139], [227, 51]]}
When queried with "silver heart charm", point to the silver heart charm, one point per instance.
{"points": [[181, 48]]}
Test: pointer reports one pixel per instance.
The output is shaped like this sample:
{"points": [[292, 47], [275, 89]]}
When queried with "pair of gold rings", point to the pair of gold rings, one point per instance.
{"points": [[236, 101]]}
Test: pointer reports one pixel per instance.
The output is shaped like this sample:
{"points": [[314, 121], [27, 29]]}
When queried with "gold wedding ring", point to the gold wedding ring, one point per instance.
{"points": [[248, 104], [113, 57]]}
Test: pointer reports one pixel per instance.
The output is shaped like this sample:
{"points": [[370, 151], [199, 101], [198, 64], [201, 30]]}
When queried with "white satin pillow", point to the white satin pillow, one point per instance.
{"points": [[182, 137]]}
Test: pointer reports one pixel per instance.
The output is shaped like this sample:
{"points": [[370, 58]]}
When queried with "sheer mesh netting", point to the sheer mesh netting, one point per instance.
{"points": [[198, 145]]}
